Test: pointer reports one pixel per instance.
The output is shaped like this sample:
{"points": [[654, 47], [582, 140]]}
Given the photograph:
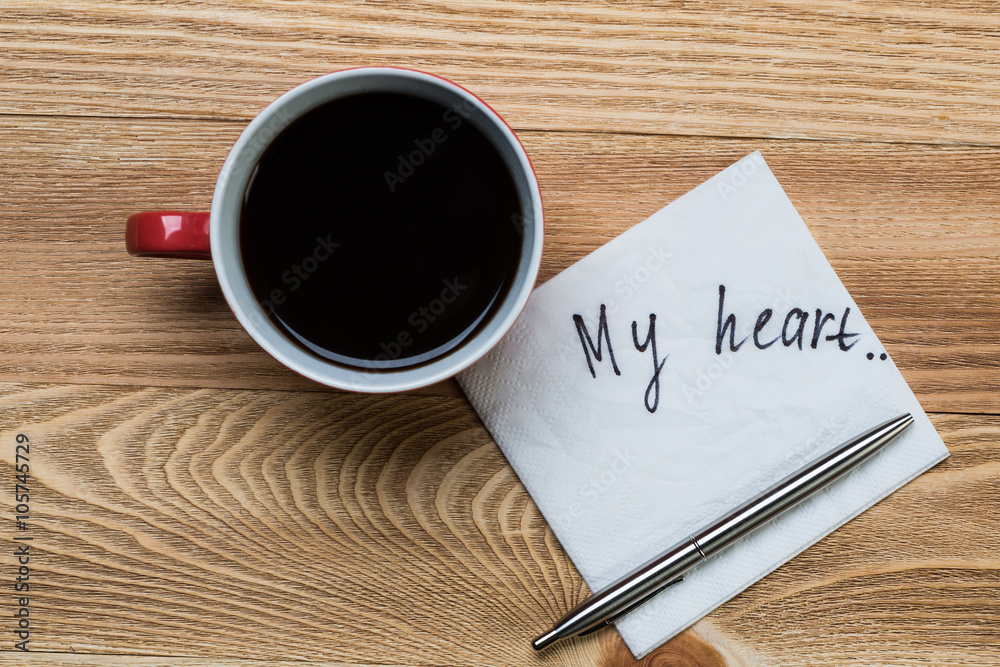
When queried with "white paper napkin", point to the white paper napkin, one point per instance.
{"points": [[621, 473]]}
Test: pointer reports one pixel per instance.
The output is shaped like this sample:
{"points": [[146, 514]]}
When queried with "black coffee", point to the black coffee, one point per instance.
{"points": [[381, 230]]}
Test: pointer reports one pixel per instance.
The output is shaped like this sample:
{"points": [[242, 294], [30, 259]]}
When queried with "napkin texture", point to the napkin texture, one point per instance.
{"points": [[619, 482]]}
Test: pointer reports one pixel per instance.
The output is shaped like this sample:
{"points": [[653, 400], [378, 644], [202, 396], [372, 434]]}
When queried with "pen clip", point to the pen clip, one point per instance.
{"points": [[632, 607]]}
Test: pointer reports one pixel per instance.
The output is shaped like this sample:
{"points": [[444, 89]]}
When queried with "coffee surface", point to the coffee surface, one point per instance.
{"points": [[381, 230]]}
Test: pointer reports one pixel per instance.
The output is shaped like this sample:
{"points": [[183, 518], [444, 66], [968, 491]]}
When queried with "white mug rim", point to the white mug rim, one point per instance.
{"points": [[224, 223]]}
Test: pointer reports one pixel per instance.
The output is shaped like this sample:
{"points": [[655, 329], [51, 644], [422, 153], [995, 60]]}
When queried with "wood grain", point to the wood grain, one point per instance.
{"points": [[194, 503], [912, 231], [891, 71], [389, 530]]}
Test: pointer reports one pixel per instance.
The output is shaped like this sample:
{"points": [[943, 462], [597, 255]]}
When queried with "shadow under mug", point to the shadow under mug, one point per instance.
{"points": [[215, 235]]}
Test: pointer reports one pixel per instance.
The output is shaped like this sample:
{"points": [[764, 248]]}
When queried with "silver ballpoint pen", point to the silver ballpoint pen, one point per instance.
{"points": [[638, 586]]}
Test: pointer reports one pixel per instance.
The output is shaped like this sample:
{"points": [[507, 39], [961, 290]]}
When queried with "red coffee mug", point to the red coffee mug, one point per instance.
{"points": [[215, 235]]}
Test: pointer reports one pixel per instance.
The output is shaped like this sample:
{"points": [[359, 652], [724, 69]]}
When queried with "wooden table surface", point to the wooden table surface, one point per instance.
{"points": [[194, 503]]}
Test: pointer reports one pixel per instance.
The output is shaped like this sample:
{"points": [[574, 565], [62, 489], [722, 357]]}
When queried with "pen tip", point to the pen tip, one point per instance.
{"points": [[547, 639]]}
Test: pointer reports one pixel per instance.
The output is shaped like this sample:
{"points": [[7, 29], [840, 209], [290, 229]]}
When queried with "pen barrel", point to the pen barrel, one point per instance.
{"points": [[631, 590], [624, 594], [797, 487]]}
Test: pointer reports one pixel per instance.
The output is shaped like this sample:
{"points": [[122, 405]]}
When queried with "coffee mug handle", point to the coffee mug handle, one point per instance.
{"points": [[181, 234]]}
